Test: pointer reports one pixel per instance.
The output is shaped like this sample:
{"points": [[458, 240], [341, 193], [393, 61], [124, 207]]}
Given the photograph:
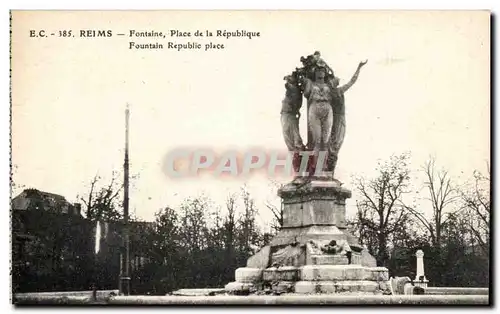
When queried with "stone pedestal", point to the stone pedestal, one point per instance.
{"points": [[313, 252]]}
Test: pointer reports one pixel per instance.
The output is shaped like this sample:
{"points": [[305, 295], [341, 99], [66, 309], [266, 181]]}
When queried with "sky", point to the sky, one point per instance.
{"points": [[425, 89]]}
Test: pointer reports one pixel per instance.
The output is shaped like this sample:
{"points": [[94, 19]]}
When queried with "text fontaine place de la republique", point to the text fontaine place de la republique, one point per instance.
{"points": [[192, 44]]}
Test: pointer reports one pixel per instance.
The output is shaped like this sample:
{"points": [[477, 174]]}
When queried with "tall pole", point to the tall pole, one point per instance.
{"points": [[95, 284], [124, 286]]}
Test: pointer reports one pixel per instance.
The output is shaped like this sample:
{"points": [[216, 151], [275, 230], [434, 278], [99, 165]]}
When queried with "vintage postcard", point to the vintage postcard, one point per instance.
{"points": [[250, 157]]}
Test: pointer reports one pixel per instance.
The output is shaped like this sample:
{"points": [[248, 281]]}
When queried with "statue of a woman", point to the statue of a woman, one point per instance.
{"points": [[290, 114], [317, 82], [319, 92]]}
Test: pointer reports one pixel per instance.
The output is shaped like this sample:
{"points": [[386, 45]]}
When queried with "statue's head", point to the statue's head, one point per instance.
{"points": [[320, 73]]}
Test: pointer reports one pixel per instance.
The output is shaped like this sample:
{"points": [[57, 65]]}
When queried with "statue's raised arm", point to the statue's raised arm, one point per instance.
{"points": [[354, 78]]}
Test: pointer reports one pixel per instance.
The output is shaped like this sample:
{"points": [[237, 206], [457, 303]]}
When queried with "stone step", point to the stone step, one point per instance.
{"points": [[248, 274], [312, 273], [343, 272], [284, 273]]}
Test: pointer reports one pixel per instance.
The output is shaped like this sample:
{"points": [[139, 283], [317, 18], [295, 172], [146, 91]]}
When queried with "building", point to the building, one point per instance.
{"points": [[50, 242], [54, 246], [33, 199]]}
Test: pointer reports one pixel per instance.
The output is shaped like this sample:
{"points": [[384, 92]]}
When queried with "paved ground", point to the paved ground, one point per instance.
{"points": [[302, 299], [193, 297]]}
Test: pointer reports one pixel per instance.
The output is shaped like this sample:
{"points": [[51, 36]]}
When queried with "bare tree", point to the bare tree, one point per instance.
{"points": [[229, 223], [102, 203], [230, 228], [442, 195], [249, 236], [380, 209], [276, 210], [358, 226], [476, 202]]}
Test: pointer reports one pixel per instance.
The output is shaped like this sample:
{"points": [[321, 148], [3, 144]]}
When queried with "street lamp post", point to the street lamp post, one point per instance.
{"points": [[124, 286]]}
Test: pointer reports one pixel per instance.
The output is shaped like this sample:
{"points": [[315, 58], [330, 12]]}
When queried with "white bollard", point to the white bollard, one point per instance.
{"points": [[420, 280]]}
